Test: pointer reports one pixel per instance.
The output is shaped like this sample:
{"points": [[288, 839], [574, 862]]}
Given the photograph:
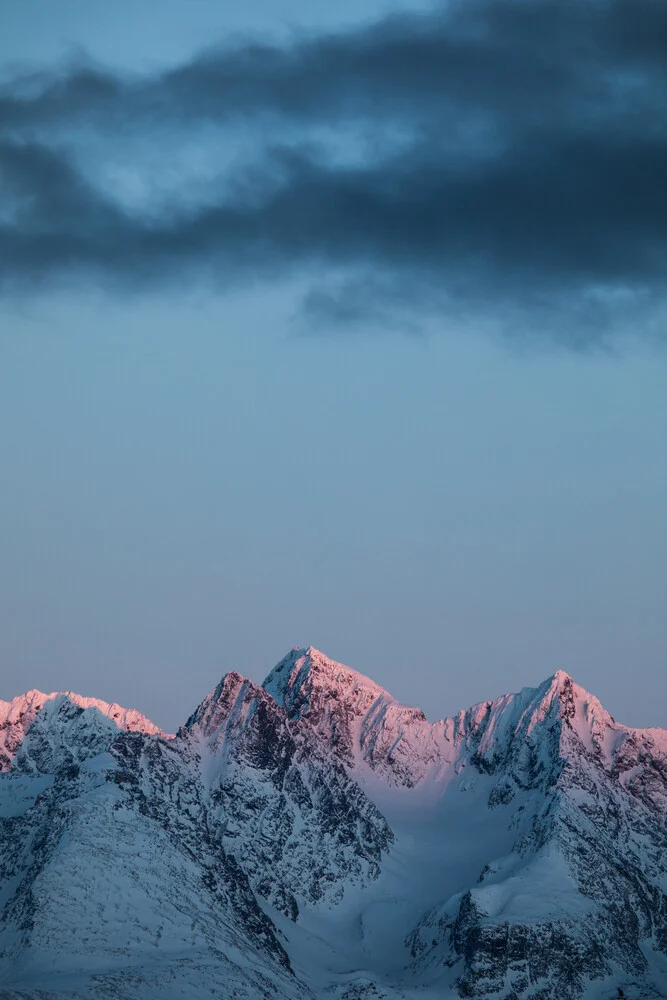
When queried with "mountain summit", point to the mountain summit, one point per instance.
{"points": [[17, 717], [371, 730], [314, 838]]}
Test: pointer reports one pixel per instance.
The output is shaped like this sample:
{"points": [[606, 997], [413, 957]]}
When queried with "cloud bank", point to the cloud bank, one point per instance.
{"points": [[502, 157]]}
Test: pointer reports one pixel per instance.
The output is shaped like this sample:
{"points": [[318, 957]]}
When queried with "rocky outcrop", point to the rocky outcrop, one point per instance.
{"points": [[18, 717], [247, 850], [281, 801], [584, 800]]}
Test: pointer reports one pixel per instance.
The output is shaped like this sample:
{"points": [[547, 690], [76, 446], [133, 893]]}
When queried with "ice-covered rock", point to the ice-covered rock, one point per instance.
{"points": [[17, 718], [314, 837], [281, 801]]}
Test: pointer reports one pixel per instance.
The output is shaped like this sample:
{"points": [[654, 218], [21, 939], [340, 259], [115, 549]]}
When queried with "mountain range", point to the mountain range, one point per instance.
{"points": [[314, 838]]}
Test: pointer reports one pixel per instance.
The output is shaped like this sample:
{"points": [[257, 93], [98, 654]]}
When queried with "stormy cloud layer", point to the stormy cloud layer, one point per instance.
{"points": [[500, 156]]}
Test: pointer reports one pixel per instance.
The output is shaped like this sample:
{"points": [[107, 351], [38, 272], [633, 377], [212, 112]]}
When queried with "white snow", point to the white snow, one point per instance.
{"points": [[487, 804]]}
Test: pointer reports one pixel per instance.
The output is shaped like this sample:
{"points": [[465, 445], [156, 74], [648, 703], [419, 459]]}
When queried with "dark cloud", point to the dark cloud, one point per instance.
{"points": [[514, 155]]}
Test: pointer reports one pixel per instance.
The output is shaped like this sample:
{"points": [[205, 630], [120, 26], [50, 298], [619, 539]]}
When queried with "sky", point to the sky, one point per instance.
{"points": [[339, 325]]}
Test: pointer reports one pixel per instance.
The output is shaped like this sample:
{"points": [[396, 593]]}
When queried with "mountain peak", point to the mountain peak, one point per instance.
{"points": [[561, 678], [230, 699], [365, 725], [303, 671], [341, 704], [18, 715], [526, 856], [561, 688]]}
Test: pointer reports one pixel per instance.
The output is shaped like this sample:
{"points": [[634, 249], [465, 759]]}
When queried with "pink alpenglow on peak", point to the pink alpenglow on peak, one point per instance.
{"points": [[18, 715], [369, 729], [318, 832], [309, 669]]}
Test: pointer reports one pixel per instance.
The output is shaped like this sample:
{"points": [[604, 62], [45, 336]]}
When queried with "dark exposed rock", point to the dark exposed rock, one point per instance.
{"points": [[254, 816]]}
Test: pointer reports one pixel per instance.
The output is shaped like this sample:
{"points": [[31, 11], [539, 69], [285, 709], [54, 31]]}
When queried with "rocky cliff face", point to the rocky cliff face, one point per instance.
{"points": [[281, 801], [577, 801], [109, 873], [581, 896], [314, 837], [119, 846], [19, 715]]}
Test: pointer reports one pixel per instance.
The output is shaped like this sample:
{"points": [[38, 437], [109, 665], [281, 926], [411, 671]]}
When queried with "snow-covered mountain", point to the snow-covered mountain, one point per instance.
{"points": [[281, 802], [17, 716], [315, 838]]}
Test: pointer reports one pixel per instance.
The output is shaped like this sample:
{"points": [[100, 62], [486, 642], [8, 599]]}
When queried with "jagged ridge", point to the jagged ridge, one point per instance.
{"points": [[582, 797], [17, 716], [515, 850]]}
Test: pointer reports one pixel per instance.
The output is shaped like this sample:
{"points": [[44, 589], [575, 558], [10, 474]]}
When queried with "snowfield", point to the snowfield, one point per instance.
{"points": [[313, 837]]}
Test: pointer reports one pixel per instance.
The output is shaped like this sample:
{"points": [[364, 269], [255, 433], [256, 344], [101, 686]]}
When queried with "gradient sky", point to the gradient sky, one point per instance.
{"points": [[333, 326]]}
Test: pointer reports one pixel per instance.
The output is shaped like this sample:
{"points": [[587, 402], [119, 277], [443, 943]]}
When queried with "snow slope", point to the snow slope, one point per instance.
{"points": [[315, 838], [533, 828], [110, 876], [17, 716], [302, 828]]}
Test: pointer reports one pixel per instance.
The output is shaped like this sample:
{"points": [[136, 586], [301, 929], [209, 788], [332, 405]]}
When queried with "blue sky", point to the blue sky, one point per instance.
{"points": [[267, 379]]}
